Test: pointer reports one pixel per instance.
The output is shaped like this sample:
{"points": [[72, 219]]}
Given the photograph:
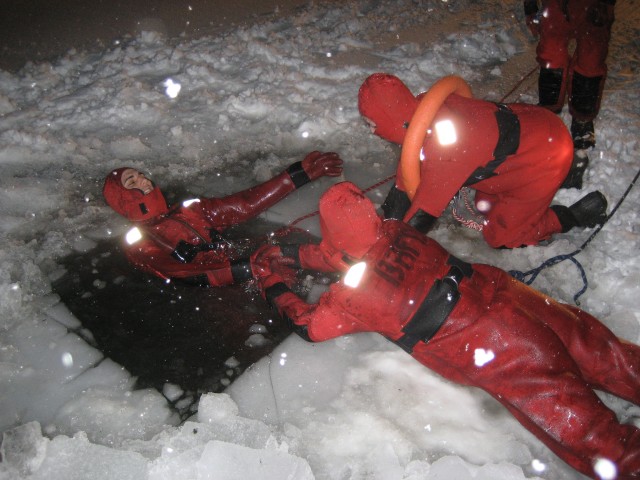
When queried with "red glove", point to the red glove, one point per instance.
{"points": [[318, 164], [261, 260], [268, 262]]}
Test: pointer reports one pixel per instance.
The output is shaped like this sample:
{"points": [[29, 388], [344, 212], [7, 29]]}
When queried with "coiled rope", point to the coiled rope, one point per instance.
{"points": [[529, 277]]}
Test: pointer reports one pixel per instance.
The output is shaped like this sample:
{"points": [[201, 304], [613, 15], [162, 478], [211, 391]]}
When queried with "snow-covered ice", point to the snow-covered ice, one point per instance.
{"points": [[216, 115]]}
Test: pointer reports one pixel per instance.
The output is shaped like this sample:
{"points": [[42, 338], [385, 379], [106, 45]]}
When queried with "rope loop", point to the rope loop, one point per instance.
{"points": [[530, 276]]}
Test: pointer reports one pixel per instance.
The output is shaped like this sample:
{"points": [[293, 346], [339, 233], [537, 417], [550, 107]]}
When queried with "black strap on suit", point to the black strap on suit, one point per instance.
{"points": [[508, 143], [436, 307]]}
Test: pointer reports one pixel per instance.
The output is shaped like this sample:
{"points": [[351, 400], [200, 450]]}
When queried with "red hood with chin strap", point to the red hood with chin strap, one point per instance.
{"points": [[132, 204], [348, 220], [389, 104]]}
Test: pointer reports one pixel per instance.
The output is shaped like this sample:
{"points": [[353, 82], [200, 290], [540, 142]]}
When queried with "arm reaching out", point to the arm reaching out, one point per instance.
{"points": [[272, 268], [242, 206]]}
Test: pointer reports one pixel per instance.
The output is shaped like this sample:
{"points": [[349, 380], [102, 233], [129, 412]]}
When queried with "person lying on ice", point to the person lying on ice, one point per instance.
{"points": [[514, 156], [184, 242], [471, 323]]}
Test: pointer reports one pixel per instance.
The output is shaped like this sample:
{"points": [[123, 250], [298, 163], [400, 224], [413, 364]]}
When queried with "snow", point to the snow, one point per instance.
{"points": [[216, 115]]}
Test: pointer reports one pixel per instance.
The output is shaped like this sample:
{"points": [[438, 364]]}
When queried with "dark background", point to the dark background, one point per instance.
{"points": [[42, 30]]}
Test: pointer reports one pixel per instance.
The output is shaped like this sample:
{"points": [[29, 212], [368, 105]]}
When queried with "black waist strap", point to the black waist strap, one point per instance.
{"points": [[508, 143], [436, 307]]}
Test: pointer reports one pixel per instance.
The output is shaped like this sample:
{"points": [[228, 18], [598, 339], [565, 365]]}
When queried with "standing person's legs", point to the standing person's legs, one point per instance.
{"points": [[553, 56], [588, 75]]}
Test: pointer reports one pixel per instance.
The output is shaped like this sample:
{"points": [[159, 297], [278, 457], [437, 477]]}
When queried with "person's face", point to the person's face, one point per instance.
{"points": [[371, 123], [132, 178]]}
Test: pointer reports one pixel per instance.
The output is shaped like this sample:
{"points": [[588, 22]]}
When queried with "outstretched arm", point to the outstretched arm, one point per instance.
{"points": [[242, 206], [291, 308], [396, 206], [313, 322]]}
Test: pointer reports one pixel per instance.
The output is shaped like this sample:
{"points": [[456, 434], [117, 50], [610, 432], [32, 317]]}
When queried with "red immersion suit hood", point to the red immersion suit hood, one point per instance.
{"points": [[133, 204], [348, 220], [389, 104]]}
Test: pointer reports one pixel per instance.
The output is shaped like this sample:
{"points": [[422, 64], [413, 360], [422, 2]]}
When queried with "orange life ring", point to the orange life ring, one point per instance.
{"points": [[422, 118]]}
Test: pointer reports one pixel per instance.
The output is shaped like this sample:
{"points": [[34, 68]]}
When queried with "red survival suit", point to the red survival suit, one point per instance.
{"points": [[547, 356], [183, 242], [558, 22], [515, 157]]}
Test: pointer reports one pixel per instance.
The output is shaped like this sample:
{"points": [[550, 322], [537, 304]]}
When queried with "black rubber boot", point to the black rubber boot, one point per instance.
{"points": [[578, 167], [584, 104], [589, 211], [583, 134], [551, 89], [567, 220], [584, 98]]}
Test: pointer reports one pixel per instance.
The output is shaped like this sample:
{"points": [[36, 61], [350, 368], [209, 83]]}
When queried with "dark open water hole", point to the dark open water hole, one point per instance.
{"points": [[198, 338]]}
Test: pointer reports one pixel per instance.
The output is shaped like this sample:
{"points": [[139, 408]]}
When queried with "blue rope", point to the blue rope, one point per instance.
{"points": [[529, 277]]}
